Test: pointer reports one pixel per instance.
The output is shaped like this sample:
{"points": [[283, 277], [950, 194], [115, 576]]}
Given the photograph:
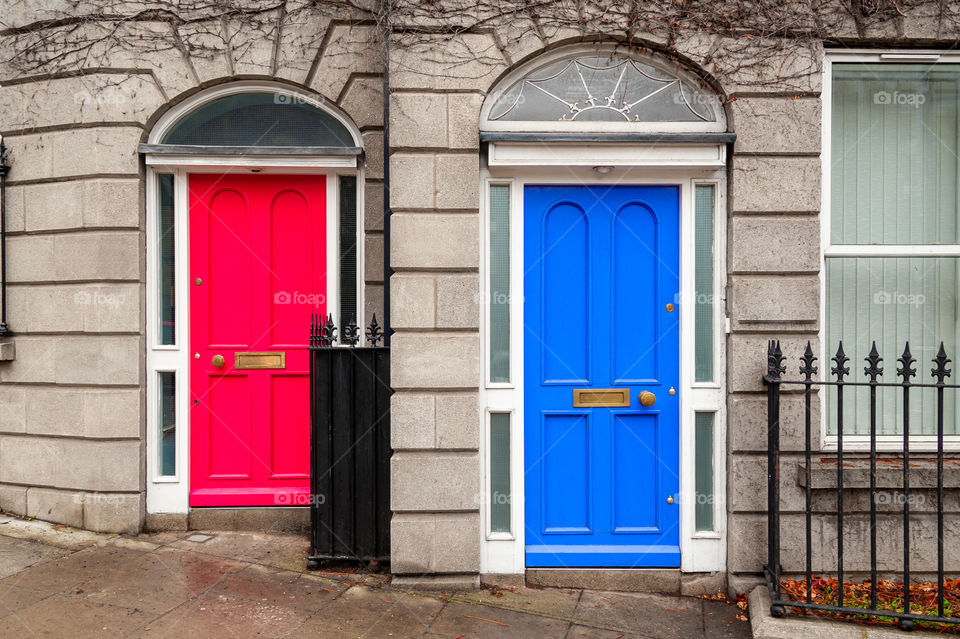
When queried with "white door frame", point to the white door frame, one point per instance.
{"points": [[503, 553], [170, 494]]}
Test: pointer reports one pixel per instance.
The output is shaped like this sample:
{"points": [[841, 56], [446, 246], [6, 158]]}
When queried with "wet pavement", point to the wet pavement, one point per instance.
{"points": [[56, 581]]}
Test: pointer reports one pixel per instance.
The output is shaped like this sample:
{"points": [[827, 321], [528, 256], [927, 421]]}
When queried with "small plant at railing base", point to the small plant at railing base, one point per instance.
{"points": [[923, 600]]}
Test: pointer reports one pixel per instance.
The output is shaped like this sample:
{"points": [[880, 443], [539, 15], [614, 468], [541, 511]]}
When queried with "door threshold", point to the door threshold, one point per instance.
{"points": [[268, 519], [655, 580]]}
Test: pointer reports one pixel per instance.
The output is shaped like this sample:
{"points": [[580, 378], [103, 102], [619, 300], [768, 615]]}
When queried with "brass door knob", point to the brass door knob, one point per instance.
{"points": [[670, 499], [647, 398], [218, 361]]}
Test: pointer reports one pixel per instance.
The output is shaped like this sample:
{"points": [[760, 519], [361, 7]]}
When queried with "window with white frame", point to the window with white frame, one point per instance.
{"points": [[892, 241]]}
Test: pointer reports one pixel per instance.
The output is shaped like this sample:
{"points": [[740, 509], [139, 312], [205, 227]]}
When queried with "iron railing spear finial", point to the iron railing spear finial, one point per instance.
{"points": [[906, 370], [808, 370], [873, 370], [940, 371], [775, 360], [841, 369]]}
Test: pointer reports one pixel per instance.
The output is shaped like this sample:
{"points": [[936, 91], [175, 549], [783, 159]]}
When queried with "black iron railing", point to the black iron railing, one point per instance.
{"points": [[4, 170], [873, 372], [350, 443]]}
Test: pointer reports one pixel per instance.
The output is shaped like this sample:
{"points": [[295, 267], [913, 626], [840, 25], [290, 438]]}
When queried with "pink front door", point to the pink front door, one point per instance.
{"points": [[257, 272]]}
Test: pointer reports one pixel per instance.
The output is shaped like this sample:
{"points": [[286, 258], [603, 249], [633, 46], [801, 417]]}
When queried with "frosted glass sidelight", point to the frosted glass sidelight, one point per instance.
{"points": [[703, 298], [500, 472], [703, 452], [167, 450], [499, 288], [166, 232]]}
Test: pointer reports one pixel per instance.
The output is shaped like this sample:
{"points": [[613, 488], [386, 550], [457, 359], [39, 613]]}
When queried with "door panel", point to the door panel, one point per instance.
{"points": [[601, 264], [565, 295], [228, 274], [634, 294], [291, 254], [229, 441], [566, 472], [634, 464], [289, 458], [257, 272]]}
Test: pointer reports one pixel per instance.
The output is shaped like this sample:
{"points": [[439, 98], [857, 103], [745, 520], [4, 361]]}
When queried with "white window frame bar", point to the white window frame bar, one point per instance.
{"points": [[503, 553], [918, 443]]}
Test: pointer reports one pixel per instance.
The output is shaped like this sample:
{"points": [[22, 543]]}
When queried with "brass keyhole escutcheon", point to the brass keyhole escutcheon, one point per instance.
{"points": [[670, 499], [218, 361], [647, 398], [669, 308]]}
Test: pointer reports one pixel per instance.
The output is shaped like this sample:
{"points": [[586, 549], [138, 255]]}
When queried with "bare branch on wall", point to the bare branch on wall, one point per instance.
{"points": [[773, 43]]}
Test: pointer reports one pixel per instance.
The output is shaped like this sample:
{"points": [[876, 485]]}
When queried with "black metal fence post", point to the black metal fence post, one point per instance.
{"points": [[941, 372], [774, 369], [840, 370], [906, 371], [4, 169], [808, 370], [874, 370]]}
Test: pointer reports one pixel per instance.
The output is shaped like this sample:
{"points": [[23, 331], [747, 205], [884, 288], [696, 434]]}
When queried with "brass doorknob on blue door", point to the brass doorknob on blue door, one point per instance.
{"points": [[647, 398], [670, 499], [218, 361]]}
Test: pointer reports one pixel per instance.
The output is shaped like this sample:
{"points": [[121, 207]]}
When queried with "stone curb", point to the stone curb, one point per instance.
{"points": [[65, 537], [766, 626]]}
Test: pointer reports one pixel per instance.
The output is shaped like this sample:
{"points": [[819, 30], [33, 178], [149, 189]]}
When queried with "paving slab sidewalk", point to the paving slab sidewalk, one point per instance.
{"points": [[56, 581]]}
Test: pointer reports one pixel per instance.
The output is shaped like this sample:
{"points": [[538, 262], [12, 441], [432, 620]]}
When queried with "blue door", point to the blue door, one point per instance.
{"points": [[601, 277]]}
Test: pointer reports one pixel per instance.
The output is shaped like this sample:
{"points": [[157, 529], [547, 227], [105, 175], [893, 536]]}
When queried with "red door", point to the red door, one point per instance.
{"points": [[258, 270]]}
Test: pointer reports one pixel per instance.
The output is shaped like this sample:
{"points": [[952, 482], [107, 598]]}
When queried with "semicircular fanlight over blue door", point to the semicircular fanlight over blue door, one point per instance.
{"points": [[259, 119], [605, 88]]}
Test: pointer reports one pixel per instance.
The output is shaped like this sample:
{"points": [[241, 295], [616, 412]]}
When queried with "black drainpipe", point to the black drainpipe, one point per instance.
{"points": [[4, 329], [387, 271]]}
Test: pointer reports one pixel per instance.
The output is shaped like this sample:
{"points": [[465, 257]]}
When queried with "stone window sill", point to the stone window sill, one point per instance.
{"points": [[856, 473]]}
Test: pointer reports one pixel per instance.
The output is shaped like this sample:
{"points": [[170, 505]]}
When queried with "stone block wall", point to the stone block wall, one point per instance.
{"points": [[437, 89], [773, 291], [72, 402], [72, 398]]}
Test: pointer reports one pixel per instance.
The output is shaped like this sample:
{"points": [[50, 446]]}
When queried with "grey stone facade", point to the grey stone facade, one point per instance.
{"points": [[72, 401]]}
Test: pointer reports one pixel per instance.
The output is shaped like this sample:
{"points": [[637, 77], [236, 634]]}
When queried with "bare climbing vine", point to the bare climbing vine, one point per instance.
{"points": [[762, 42]]}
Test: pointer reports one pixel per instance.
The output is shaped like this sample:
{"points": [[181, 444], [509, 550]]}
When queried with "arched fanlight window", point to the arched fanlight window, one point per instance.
{"points": [[259, 119], [603, 90]]}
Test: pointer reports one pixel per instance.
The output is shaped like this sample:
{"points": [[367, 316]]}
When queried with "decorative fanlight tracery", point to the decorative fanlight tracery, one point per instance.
{"points": [[602, 88]]}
